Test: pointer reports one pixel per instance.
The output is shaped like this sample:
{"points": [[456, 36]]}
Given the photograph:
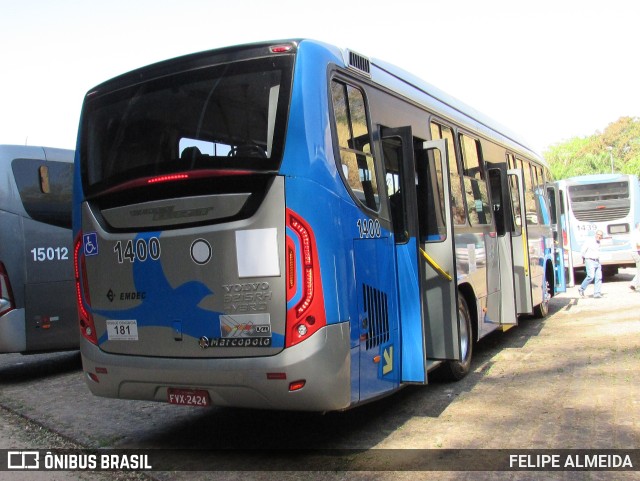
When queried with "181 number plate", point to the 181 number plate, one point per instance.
{"points": [[188, 397], [122, 330]]}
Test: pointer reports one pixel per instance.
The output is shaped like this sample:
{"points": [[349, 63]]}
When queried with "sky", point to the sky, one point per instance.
{"points": [[549, 70]]}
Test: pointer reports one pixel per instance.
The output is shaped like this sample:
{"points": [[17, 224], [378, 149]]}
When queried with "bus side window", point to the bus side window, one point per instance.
{"points": [[457, 203], [530, 203], [542, 202], [431, 202], [354, 144], [515, 221], [393, 162], [475, 185]]}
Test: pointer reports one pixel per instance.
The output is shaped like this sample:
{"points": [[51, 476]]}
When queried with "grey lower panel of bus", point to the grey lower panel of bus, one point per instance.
{"points": [[51, 319], [323, 361]]}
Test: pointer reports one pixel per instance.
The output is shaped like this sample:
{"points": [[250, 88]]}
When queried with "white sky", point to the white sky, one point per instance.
{"points": [[547, 69]]}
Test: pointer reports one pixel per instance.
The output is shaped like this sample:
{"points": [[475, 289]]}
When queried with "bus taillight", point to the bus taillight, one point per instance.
{"points": [[291, 269], [87, 327], [7, 302], [307, 315]]}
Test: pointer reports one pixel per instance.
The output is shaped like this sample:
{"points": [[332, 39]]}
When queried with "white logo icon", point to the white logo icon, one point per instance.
{"points": [[23, 460]]}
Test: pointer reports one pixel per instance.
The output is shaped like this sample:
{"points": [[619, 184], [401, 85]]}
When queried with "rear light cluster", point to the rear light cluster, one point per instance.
{"points": [[303, 271], [7, 302], [87, 327], [177, 177]]}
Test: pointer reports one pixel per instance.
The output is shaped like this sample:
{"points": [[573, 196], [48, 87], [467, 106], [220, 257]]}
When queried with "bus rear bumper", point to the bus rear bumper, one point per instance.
{"points": [[322, 362]]}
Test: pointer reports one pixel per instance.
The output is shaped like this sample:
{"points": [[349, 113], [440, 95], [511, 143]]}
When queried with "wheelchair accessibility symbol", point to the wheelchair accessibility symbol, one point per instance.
{"points": [[90, 244]]}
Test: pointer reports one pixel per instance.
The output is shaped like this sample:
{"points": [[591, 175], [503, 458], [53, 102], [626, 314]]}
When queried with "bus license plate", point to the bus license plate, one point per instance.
{"points": [[188, 397]]}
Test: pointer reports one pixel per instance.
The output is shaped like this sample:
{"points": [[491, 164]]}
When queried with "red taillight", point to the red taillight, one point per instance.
{"points": [[291, 269], [307, 264], [177, 177], [87, 327], [281, 48], [307, 316], [7, 302], [167, 178], [297, 385]]}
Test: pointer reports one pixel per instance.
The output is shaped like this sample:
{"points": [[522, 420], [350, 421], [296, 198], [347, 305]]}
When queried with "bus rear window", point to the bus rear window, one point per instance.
{"points": [[229, 116], [599, 192], [45, 190]]}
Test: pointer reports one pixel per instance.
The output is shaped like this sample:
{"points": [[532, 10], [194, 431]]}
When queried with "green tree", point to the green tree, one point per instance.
{"points": [[620, 142]]}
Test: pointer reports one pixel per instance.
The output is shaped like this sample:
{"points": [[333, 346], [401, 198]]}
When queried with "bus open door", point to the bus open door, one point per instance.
{"points": [[447, 321], [520, 244], [501, 209], [555, 208], [428, 298]]}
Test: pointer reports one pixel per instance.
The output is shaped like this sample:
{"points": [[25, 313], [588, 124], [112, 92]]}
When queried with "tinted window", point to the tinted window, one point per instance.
{"points": [[229, 116], [45, 190], [475, 185], [529, 193], [354, 143], [457, 204]]}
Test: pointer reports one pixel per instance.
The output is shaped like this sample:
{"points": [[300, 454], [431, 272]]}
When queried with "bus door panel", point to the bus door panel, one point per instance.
{"points": [[377, 308], [553, 193], [501, 208], [400, 169], [565, 232], [520, 244], [437, 251]]}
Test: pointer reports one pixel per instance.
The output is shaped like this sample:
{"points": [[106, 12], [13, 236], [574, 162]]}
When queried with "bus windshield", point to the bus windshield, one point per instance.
{"points": [[229, 116]]}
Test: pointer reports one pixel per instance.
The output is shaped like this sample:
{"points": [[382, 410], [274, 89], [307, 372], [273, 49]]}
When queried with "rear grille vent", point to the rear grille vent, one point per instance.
{"points": [[360, 63], [376, 309], [601, 215]]}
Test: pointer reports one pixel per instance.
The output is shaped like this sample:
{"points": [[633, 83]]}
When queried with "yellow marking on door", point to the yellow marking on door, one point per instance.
{"points": [[387, 367]]}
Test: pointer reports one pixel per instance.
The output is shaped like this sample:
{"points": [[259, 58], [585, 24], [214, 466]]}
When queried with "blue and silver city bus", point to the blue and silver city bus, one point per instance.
{"points": [[37, 302], [293, 226], [607, 202]]}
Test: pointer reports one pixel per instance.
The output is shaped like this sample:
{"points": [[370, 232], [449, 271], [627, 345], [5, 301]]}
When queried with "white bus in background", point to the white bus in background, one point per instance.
{"points": [[607, 202]]}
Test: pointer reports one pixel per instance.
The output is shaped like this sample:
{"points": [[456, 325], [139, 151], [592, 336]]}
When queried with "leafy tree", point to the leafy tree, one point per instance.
{"points": [[619, 141]]}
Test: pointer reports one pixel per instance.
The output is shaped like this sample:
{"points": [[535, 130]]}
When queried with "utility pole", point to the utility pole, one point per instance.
{"points": [[610, 149]]}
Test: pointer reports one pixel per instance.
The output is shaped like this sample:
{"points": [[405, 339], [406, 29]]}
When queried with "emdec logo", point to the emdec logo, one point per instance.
{"points": [[23, 460]]}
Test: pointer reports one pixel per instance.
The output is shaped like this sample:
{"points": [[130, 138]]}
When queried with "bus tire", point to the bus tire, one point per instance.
{"points": [[542, 310], [456, 370]]}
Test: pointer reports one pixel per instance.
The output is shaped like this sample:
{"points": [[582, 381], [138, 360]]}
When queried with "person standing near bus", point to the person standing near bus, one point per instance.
{"points": [[635, 254], [591, 254]]}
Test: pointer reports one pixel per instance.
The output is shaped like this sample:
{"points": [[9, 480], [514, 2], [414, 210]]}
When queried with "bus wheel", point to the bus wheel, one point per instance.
{"points": [[542, 310], [456, 370]]}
